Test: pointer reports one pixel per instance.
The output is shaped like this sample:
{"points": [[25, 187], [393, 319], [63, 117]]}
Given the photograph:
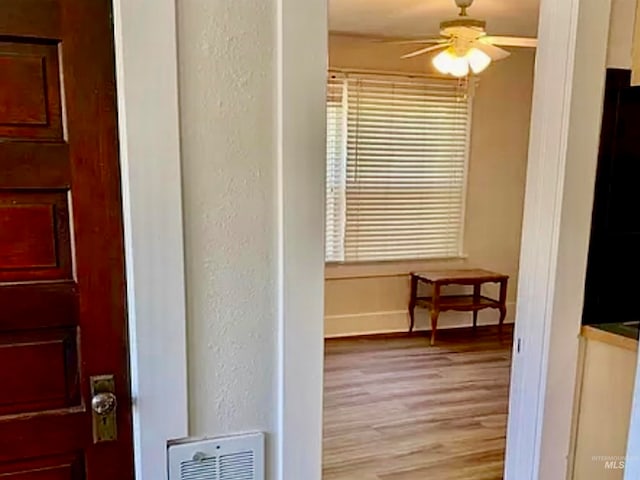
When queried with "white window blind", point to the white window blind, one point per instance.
{"points": [[396, 167], [336, 168]]}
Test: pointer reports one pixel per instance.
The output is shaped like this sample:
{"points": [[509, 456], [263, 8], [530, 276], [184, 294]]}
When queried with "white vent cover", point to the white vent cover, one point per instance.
{"points": [[239, 457]]}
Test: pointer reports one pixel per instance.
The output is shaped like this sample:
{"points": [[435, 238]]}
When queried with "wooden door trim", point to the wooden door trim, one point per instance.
{"points": [[148, 116]]}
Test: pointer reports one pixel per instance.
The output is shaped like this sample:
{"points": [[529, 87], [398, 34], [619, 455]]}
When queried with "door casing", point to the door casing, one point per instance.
{"points": [[148, 120]]}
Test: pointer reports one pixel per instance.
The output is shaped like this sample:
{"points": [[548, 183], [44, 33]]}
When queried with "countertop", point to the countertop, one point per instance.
{"points": [[622, 334]]}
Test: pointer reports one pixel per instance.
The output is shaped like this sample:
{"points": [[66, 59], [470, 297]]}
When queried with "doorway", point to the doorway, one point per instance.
{"points": [[426, 175]]}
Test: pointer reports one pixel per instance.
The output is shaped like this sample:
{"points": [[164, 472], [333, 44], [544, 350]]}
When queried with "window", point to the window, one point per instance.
{"points": [[397, 153]]}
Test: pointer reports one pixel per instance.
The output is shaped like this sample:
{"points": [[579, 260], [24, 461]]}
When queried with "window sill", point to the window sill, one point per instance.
{"points": [[338, 271]]}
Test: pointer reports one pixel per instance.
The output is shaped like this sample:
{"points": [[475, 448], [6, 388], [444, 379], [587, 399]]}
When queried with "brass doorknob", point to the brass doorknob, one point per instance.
{"points": [[104, 403]]}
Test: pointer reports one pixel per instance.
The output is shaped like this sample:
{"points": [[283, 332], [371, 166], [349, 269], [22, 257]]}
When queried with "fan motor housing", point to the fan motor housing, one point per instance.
{"points": [[461, 27]]}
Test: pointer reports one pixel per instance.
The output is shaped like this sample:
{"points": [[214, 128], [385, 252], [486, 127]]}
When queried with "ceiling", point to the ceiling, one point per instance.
{"points": [[409, 18]]}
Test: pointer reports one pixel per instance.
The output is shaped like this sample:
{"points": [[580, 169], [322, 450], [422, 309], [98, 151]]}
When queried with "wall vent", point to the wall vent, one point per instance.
{"points": [[238, 457]]}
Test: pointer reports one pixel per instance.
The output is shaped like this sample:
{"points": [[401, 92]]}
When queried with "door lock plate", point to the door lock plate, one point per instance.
{"points": [[103, 408]]}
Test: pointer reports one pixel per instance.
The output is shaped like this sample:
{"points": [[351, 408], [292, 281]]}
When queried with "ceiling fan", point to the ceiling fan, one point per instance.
{"points": [[464, 45]]}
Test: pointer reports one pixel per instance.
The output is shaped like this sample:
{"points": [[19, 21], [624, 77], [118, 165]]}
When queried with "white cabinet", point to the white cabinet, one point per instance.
{"points": [[603, 405]]}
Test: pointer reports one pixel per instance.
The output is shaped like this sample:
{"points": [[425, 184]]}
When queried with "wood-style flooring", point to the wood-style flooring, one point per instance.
{"points": [[398, 409]]}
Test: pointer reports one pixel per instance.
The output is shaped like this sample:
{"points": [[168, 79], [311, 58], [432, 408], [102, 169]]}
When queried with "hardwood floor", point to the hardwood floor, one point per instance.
{"points": [[398, 409]]}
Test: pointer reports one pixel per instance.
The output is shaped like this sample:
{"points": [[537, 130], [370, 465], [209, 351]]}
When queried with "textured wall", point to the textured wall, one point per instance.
{"points": [[226, 54], [495, 192]]}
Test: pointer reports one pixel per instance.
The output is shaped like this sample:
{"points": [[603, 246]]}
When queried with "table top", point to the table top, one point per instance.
{"points": [[452, 276]]}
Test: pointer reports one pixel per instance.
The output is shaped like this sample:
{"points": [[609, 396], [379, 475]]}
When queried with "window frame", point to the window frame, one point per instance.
{"points": [[387, 265]]}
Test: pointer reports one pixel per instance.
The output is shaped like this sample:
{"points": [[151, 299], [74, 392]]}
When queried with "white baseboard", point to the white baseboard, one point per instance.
{"points": [[371, 323]]}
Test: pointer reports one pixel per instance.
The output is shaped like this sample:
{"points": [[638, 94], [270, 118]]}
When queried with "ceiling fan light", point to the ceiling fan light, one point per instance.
{"points": [[478, 60], [448, 62], [442, 62], [459, 67]]}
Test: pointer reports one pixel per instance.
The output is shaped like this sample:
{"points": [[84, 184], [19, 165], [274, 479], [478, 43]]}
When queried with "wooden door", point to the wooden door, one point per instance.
{"points": [[62, 291]]}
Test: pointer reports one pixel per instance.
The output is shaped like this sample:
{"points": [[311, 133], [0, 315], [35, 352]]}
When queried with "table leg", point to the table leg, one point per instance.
{"points": [[412, 301], [434, 325], [476, 301], [503, 304], [435, 312]]}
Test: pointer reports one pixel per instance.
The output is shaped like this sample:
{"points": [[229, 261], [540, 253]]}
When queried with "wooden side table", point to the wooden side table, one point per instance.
{"points": [[466, 303]]}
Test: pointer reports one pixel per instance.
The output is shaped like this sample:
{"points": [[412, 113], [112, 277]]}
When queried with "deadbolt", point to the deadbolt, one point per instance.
{"points": [[103, 405]]}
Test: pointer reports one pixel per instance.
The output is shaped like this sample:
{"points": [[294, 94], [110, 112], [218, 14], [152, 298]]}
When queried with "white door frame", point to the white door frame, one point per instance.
{"points": [[563, 146], [301, 148], [146, 76], [564, 141]]}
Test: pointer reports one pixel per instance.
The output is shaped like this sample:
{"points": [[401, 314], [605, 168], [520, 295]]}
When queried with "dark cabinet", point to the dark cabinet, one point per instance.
{"points": [[613, 270]]}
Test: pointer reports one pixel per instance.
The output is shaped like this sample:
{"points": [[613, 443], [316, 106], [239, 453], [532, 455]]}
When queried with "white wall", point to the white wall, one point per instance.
{"points": [[495, 196], [227, 80]]}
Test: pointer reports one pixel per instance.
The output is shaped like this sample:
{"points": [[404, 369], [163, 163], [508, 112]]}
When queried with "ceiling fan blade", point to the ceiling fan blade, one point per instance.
{"points": [[425, 40], [425, 50], [525, 42], [496, 53]]}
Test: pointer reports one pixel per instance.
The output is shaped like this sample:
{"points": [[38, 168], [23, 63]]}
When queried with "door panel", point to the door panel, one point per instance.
{"points": [[30, 105], [62, 291], [55, 468], [48, 367], [34, 240]]}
